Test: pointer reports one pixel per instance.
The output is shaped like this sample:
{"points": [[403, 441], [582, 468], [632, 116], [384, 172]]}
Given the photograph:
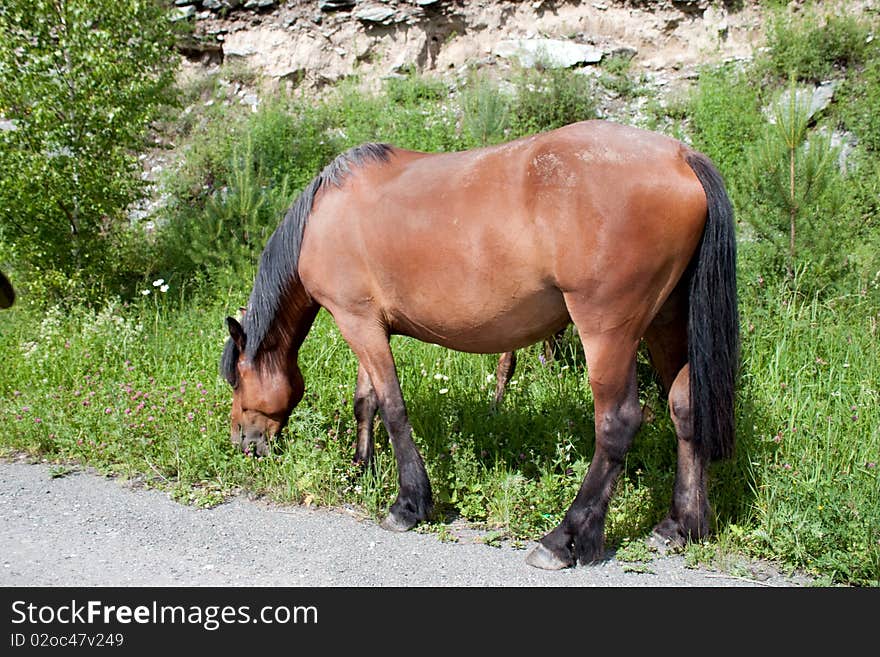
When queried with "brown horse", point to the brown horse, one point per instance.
{"points": [[626, 233]]}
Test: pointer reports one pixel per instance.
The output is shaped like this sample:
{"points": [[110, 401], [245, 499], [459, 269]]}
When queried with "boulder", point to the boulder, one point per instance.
{"points": [[815, 100], [551, 53]]}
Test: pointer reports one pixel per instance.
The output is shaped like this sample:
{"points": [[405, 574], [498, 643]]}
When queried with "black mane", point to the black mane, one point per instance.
{"points": [[278, 270]]}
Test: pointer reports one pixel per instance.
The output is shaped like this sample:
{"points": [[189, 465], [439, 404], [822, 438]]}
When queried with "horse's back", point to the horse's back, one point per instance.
{"points": [[475, 249]]}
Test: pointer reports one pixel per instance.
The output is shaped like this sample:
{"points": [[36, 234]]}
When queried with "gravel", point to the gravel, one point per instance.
{"points": [[82, 529]]}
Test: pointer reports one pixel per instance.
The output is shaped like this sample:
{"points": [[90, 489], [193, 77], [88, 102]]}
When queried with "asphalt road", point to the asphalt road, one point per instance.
{"points": [[87, 530]]}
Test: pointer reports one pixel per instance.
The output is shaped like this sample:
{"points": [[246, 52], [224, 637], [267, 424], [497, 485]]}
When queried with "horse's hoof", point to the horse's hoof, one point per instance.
{"points": [[393, 523], [543, 558]]}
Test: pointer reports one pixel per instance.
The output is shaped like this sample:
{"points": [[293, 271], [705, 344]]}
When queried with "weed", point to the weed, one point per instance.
{"points": [[492, 538], [59, 471], [635, 551]]}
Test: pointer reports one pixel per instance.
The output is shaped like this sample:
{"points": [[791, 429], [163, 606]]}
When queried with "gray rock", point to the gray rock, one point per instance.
{"points": [[374, 14], [552, 53], [260, 5], [242, 51], [250, 99], [822, 96], [7, 125], [184, 13], [815, 100], [335, 5], [844, 143]]}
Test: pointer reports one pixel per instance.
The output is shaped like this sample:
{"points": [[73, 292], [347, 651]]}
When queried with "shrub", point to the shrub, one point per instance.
{"points": [[725, 116], [790, 169], [80, 81], [230, 191], [859, 98], [485, 111], [552, 98], [811, 47]]}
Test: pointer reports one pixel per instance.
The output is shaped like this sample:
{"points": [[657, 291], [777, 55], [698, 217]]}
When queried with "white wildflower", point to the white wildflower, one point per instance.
{"points": [[158, 282]]}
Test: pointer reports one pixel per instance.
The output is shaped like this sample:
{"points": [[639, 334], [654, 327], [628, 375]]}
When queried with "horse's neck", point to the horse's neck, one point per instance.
{"points": [[298, 312]]}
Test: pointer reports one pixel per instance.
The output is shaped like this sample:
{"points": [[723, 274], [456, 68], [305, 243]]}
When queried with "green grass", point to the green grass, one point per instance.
{"points": [[134, 391], [812, 369]]}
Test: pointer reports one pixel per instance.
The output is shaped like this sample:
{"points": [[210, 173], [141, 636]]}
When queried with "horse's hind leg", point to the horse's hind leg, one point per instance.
{"points": [[611, 362], [689, 514], [503, 373], [507, 364], [553, 345], [366, 405], [370, 345]]}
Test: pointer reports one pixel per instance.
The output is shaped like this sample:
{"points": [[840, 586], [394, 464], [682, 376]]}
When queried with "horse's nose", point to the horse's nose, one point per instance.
{"points": [[254, 444]]}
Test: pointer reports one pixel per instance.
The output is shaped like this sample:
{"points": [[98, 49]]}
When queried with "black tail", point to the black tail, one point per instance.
{"points": [[713, 319]]}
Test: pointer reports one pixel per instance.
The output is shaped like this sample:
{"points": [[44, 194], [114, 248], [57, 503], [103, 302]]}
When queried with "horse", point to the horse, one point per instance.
{"points": [[7, 293], [627, 233]]}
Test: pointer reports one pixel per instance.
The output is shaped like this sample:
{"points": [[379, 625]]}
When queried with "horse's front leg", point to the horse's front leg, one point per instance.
{"points": [[366, 405], [414, 501]]}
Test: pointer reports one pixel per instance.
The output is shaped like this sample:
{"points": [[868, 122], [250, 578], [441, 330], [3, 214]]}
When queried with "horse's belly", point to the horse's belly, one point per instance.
{"points": [[491, 325]]}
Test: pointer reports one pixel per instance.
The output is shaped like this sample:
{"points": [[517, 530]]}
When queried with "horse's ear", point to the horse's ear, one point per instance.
{"points": [[236, 333]]}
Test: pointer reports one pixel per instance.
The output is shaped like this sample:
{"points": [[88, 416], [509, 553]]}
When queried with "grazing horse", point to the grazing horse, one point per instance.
{"points": [[626, 233]]}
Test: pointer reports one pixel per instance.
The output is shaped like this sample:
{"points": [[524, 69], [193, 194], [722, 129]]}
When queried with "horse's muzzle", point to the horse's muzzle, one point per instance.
{"points": [[253, 443]]}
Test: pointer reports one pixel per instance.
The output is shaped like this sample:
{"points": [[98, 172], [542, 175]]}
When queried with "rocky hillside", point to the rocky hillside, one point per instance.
{"points": [[311, 43]]}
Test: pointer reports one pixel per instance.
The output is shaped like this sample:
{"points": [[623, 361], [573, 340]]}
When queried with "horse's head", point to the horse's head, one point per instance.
{"points": [[264, 393]]}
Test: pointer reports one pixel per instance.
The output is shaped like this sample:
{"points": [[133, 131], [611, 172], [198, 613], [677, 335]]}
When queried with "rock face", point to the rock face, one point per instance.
{"points": [[315, 42]]}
